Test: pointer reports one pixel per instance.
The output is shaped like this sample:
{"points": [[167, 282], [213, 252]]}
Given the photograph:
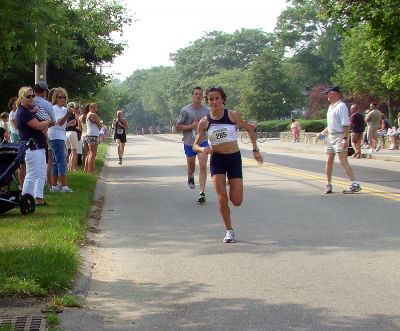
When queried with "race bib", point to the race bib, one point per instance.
{"points": [[219, 136]]}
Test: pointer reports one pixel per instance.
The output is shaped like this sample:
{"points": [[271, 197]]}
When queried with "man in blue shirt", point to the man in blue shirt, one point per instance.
{"points": [[41, 89]]}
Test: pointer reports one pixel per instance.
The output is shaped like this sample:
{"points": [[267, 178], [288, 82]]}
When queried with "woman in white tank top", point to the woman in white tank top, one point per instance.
{"points": [[225, 161], [93, 125]]}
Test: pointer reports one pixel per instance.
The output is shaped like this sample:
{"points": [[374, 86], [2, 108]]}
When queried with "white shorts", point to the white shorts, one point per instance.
{"points": [[334, 143], [72, 140], [80, 145]]}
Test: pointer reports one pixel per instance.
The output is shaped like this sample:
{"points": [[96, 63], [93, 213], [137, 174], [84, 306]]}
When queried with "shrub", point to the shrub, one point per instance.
{"points": [[284, 125]]}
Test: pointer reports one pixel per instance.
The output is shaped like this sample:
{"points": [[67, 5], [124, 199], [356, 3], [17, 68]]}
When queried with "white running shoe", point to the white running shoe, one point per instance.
{"points": [[54, 189], [354, 188], [328, 189], [229, 237]]}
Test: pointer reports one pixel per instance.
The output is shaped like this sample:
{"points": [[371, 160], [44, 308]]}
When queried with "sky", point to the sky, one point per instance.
{"points": [[162, 27]]}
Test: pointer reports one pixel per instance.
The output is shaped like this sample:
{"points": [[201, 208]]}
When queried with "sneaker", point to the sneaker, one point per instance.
{"points": [[191, 182], [201, 198], [54, 189], [378, 148], [65, 189], [354, 188], [120, 161], [328, 189], [229, 237]]}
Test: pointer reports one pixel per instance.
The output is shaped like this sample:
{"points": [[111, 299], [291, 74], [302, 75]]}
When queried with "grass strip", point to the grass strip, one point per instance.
{"points": [[39, 252]]}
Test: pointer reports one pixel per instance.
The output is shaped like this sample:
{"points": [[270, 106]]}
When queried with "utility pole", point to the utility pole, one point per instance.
{"points": [[41, 69], [40, 59]]}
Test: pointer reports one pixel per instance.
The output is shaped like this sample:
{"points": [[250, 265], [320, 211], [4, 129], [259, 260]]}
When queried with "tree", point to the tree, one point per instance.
{"points": [[217, 51], [75, 35], [109, 100], [232, 81], [267, 90], [382, 20], [360, 74], [310, 41]]}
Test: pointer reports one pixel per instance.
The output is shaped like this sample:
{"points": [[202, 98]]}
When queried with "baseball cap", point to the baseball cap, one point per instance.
{"points": [[40, 84], [334, 88]]}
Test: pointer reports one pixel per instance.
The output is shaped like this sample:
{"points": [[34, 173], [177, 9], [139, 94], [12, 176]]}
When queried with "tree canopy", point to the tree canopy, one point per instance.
{"points": [[266, 75], [74, 36], [382, 21]]}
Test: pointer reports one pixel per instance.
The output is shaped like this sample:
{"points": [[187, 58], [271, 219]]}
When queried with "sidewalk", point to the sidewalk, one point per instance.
{"points": [[277, 145]]}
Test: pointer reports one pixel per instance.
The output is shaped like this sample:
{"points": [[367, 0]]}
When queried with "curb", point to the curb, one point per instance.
{"points": [[83, 278]]}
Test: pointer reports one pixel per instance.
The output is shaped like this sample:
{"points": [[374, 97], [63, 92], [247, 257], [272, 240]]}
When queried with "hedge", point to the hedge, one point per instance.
{"points": [[284, 125]]}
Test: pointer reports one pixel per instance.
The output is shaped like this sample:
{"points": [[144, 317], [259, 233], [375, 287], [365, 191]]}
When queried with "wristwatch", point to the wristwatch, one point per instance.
{"points": [[256, 150]]}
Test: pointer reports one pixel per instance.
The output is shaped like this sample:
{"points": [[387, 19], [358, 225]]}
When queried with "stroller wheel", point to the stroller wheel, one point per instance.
{"points": [[27, 204]]}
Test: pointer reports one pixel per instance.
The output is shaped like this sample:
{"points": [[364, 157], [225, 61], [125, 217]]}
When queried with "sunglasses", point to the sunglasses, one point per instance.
{"points": [[61, 97], [29, 96]]}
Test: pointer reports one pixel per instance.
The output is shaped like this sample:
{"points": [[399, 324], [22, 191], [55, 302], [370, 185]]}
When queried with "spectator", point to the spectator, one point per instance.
{"points": [[382, 132], [102, 133], [93, 125], [79, 150], [72, 136], [373, 118], [12, 106], [357, 125], [82, 120], [4, 124], [394, 134], [14, 136], [35, 157], [49, 152], [295, 127], [57, 138]]}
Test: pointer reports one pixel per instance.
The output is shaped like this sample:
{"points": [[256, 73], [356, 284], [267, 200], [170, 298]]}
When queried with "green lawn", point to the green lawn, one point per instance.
{"points": [[39, 252]]}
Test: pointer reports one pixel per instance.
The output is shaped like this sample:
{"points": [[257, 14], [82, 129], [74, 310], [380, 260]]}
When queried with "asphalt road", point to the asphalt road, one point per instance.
{"points": [[302, 260]]}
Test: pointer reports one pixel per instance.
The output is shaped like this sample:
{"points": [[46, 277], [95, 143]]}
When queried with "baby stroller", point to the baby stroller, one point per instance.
{"points": [[11, 155]]}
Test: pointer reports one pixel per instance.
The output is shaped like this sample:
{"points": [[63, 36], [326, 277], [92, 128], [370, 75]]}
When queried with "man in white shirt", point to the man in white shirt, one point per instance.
{"points": [[337, 141]]}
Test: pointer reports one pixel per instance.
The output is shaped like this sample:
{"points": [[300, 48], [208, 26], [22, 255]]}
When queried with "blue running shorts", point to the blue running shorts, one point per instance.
{"points": [[189, 149]]}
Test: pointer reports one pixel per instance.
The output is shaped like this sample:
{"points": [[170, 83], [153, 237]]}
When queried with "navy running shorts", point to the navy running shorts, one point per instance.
{"points": [[120, 137], [229, 164]]}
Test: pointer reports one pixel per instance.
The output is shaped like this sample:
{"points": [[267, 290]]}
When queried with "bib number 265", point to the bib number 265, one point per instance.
{"points": [[220, 135]]}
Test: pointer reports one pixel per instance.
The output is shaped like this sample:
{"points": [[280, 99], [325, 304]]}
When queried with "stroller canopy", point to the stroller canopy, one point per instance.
{"points": [[11, 156]]}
